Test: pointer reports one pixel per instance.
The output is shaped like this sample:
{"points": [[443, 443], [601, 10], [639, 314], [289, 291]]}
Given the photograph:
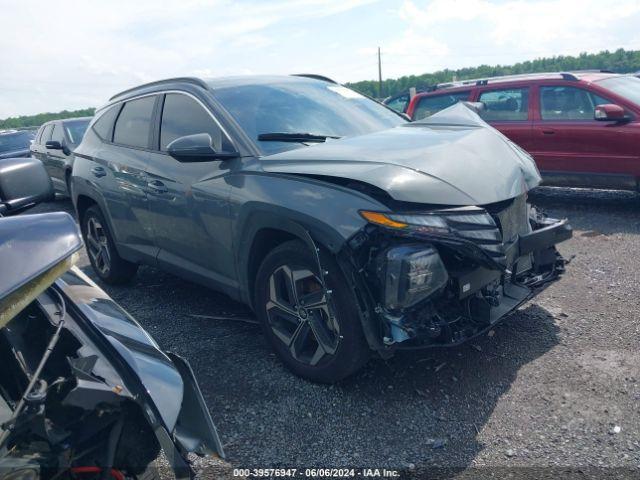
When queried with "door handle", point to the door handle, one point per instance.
{"points": [[157, 186], [548, 131], [98, 172]]}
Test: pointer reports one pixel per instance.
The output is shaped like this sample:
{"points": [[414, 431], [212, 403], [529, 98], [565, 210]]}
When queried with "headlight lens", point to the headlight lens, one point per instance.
{"points": [[411, 274], [425, 222]]}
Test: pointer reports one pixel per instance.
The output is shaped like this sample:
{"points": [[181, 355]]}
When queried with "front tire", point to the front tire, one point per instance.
{"points": [[104, 258], [317, 337]]}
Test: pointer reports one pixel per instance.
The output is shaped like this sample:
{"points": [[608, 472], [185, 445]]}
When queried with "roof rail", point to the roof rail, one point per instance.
{"points": [[192, 80], [570, 76], [314, 76]]}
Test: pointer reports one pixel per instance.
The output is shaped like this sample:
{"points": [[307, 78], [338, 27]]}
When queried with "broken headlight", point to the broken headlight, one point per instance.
{"points": [[410, 274]]}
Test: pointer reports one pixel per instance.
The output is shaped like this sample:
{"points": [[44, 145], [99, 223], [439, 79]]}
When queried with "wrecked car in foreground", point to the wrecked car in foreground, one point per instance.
{"points": [[344, 227], [85, 392]]}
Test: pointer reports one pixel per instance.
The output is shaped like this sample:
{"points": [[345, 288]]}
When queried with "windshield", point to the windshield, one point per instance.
{"points": [[302, 106], [75, 130], [627, 87], [15, 141]]}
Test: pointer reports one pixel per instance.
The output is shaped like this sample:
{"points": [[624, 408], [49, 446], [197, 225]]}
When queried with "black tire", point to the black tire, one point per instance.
{"points": [[342, 349], [104, 258]]}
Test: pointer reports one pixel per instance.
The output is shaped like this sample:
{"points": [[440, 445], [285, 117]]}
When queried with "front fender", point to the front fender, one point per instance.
{"points": [[293, 204]]}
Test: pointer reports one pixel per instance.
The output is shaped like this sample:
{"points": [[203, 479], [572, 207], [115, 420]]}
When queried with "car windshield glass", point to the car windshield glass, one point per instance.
{"points": [[627, 87], [75, 130], [15, 141], [292, 106]]}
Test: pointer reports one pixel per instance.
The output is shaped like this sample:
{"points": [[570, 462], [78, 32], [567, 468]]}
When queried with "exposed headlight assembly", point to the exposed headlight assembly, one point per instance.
{"points": [[410, 274]]}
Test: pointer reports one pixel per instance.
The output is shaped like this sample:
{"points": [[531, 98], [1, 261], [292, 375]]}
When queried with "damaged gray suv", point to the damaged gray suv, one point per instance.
{"points": [[345, 228]]}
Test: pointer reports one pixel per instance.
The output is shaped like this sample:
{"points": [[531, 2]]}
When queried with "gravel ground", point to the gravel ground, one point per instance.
{"points": [[556, 385]]}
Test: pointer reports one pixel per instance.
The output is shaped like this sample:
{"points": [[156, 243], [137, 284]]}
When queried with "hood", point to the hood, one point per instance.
{"points": [[450, 158]]}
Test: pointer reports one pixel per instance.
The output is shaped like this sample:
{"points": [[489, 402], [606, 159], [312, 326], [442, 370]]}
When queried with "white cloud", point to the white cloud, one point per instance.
{"points": [[72, 54], [86, 51], [528, 28]]}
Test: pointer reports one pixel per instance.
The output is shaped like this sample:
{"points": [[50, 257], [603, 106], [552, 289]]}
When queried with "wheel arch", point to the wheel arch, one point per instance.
{"points": [[264, 231]]}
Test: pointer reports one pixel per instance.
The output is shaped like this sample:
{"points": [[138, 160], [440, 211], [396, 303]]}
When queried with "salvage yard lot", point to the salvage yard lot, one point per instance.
{"points": [[549, 386]]}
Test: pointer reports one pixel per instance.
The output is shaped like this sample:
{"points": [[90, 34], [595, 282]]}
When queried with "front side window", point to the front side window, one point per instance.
{"points": [[134, 123], [427, 106], [58, 134], [75, 130], [46, 134], [182, 116], [505, 105], [568, 103]]}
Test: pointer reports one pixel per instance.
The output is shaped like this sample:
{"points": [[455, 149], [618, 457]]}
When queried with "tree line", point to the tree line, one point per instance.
{"points": [[26, 121], [619, 61]]}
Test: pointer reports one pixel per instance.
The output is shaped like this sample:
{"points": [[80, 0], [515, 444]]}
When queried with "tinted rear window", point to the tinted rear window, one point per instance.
{"points": [[134, 123], [505, 105], [15, 141]]}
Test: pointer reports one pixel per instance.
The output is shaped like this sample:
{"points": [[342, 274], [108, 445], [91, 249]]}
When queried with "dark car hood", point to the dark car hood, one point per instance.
{"points": [[30, 245], [167, 382], [451, 158]]}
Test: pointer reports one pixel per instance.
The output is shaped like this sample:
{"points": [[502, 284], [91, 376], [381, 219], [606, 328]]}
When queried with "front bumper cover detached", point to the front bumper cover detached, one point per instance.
{"points": [[480, 292]]}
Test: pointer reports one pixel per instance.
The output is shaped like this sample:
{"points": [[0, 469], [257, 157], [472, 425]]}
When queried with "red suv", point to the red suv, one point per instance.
{"points": [[583, 128]]}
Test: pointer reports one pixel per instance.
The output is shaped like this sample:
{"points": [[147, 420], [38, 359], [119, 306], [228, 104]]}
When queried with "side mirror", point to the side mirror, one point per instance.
{"points": [[53, 145], [196, 148], [609, 112], [24, 182]]}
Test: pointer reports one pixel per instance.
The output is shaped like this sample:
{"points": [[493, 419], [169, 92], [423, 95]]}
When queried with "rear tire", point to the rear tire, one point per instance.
{"points": [[319, 340], [104, 258]]}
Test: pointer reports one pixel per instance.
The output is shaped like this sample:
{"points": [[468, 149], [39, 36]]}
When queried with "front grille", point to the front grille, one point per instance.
{"points": [[476, 225], [494, 228]]}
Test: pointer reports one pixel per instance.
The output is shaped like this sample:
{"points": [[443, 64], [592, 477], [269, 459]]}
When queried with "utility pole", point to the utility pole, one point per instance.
{"points": [[379, 74]]}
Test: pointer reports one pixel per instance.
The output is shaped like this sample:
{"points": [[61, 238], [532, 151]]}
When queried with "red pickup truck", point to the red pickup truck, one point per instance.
{"points": [[582, 128]]}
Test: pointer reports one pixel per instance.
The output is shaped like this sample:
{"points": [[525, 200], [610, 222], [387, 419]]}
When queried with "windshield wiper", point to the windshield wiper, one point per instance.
{"points": [[293, 137]]}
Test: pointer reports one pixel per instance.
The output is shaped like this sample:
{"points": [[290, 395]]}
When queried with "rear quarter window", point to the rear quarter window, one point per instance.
{"points": [[104, 125]]}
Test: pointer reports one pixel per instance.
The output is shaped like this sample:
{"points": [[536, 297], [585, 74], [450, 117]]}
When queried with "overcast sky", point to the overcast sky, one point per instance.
{"points": [[75, 54]]}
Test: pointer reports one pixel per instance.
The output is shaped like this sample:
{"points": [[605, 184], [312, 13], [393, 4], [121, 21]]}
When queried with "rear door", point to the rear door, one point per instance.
{"points": [[508, 109], [573, 149], [430, 104], [118, 171], [188, 201]]}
